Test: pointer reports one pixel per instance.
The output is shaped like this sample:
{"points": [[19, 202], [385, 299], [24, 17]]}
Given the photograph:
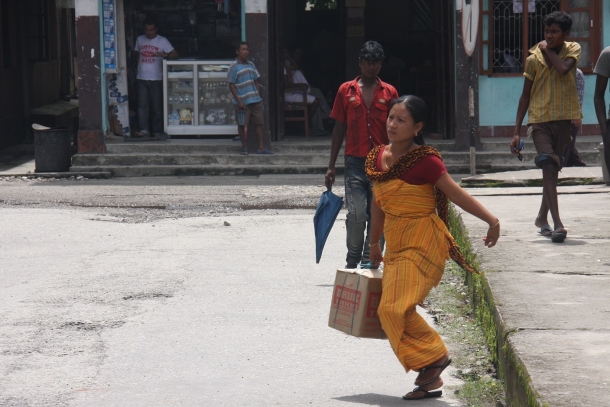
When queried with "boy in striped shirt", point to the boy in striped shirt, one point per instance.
{"points": [[550, 97], [243, 83]]}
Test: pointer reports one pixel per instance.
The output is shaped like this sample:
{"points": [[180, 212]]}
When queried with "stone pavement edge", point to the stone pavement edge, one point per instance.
{"points": [[549, 302]]}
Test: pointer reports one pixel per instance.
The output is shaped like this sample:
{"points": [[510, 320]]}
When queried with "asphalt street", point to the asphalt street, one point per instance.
{"points": [[185, 291]]}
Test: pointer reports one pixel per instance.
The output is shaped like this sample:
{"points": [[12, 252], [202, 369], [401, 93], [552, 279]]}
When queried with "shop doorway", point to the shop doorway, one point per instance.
{"points": [[314, 37], [417, 36], [199, 30]]}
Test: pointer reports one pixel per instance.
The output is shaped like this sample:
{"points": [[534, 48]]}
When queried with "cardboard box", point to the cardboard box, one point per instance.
{"points": [[356, 296]]}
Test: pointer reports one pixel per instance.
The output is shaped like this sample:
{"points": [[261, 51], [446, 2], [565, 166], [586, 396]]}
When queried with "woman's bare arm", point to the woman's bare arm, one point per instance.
{"points": [[465, 201]]}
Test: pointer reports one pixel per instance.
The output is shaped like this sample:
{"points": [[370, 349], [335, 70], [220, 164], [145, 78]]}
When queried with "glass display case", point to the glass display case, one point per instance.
{"points": [[197, 99]]}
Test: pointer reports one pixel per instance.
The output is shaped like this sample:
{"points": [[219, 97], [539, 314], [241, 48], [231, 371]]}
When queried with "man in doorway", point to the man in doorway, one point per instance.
{"points": [[550, 97], [151, 49], [602, 69], [243, 83], [360, 112]]}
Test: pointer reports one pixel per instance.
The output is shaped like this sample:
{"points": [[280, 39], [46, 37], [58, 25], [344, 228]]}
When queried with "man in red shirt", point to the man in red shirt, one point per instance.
{"points": [[360, 112]]}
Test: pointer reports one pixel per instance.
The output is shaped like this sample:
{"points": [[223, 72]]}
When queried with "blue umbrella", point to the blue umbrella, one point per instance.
{"points": [[324, 219]]}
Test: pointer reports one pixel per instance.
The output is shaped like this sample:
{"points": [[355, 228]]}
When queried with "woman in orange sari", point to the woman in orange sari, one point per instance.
{"points": [[411, 187]]}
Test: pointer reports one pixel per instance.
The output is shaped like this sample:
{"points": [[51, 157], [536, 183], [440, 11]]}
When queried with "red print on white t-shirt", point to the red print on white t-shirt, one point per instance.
{"points": [[148, 53]]}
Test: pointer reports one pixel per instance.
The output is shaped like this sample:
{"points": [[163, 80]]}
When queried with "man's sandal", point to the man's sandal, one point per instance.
{"points": [[432, 380], [426, 394]]}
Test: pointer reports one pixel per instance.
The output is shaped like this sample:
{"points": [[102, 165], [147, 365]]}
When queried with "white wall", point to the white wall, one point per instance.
{"points": [[256, 6], [85, 8]]}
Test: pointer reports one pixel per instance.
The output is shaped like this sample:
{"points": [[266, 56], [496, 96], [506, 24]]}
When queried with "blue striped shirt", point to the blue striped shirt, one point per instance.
{"points": [[243, 75]]}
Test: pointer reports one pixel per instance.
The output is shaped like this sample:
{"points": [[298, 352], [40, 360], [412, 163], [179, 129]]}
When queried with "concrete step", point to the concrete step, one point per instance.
{"points": [[203, 159], [87, 173], [591, 157], [221, 157], [321, 146], [198, 148], [255, 170], [502, 143], [194, 170]]}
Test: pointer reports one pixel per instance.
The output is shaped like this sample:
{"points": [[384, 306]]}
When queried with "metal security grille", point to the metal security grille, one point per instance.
{"points": [[509, 31]]}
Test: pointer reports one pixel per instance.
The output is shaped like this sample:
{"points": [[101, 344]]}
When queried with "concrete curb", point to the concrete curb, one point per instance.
{"points": [[85, 174], [511, 369], [479, 183]]}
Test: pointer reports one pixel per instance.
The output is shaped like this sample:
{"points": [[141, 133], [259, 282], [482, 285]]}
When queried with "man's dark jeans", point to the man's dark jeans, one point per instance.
{"points": [[358, 197], [150, 94]]}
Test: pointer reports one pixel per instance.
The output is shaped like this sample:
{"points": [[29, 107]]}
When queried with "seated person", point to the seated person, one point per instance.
{"points": [[292, 90], [294, 78]]}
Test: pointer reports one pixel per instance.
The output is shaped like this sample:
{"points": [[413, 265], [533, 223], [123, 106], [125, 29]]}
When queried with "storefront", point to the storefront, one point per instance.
{"points": [[424, 52], [422, 39], [196, 98]]}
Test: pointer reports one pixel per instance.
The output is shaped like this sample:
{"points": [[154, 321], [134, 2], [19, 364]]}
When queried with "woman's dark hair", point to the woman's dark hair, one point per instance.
{"points": [[418, 110], [371, 51], [561, 18]]}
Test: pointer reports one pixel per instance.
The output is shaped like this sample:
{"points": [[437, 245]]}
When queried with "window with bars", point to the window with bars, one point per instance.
{"points": [[511, 27]]}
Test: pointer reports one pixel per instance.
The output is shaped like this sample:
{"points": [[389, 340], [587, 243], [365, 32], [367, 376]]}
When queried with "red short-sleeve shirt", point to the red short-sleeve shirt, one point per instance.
{"points": [[366, 128], [428, 170]]}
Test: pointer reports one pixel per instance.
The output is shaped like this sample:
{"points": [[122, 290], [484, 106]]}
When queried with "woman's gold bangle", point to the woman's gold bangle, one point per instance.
{"points": [[374, 244], [497, 224]]}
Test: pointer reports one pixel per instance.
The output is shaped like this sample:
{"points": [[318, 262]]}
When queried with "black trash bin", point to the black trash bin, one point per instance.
{"points": [[53, 150]]}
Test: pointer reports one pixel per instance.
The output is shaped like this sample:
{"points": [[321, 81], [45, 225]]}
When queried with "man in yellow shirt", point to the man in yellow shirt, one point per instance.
{"points": [[549, 92]]}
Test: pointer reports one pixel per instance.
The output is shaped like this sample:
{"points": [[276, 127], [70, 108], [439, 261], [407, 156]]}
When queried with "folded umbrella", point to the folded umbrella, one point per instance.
{"points": [[324, 219]]}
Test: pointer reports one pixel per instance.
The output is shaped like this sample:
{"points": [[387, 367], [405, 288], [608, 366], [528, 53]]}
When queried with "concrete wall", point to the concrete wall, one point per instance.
{"points": [[499, 96]]}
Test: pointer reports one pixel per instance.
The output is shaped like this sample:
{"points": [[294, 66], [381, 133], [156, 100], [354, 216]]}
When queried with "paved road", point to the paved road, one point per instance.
{"points": [[147, 307]]}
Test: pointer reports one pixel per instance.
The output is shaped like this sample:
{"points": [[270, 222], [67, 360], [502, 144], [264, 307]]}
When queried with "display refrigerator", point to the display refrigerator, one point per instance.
{"points": [[197, 99]]}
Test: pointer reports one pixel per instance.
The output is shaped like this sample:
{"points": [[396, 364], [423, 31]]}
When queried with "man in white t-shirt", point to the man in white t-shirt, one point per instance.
{"points": [[151, 49]]}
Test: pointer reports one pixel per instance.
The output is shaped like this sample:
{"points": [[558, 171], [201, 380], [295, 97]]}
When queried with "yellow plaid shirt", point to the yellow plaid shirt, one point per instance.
{"points": [[553, 95]]}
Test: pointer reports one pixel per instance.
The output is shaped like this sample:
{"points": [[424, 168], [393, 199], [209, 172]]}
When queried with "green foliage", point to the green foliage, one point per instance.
{"points": [[481, 391]]}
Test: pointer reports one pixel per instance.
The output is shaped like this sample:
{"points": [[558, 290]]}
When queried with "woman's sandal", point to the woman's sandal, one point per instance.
{"points": [[427, 394], [425, 369]]}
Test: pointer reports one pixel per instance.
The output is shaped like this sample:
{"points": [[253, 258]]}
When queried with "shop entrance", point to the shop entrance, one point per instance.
{"points": [[196, 98], [418, 42], [314, 38], [417, 36]]}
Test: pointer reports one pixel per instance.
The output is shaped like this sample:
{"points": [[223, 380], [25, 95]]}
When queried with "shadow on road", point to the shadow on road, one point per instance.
{"points": [[374, 399]]}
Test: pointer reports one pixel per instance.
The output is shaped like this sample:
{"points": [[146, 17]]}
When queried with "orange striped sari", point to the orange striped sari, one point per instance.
{"points": [[417, 247]]}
